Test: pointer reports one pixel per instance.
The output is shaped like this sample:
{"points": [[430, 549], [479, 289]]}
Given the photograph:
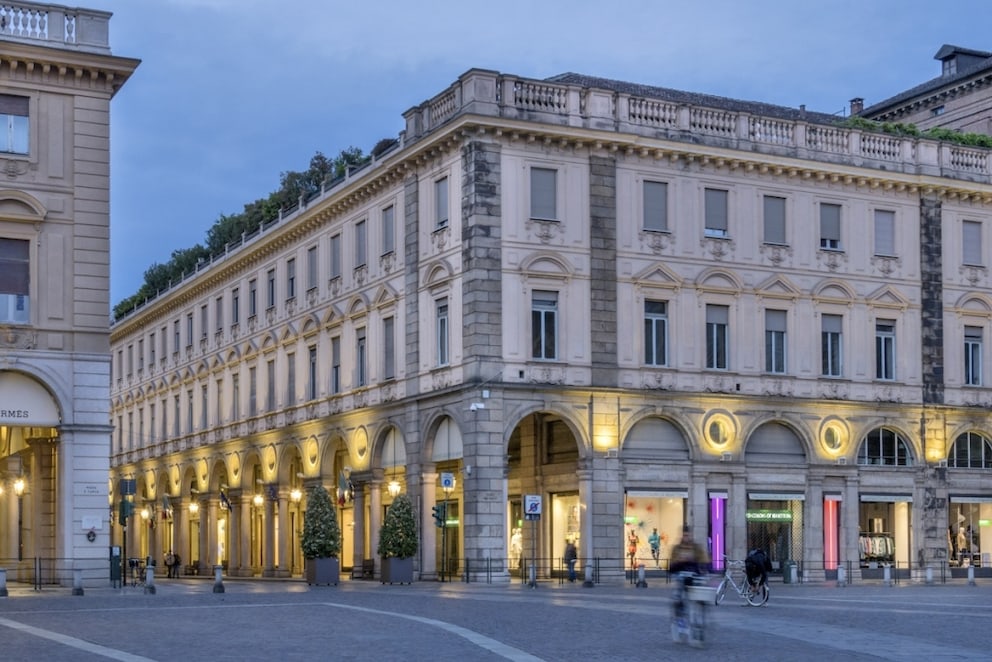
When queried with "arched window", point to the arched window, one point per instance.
{"points": [[971, 451], [884, 446]]}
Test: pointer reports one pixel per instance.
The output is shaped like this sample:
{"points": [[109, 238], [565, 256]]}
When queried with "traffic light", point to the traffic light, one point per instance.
{"points": [[127, 509], [440, 514]]}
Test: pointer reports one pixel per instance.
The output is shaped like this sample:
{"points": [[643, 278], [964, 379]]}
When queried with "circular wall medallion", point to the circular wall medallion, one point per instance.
{"points": [[361, 443], [719, 430]]}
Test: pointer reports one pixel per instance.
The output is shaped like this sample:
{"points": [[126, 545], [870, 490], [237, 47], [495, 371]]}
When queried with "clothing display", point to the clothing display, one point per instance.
{"points": [[876, 548]]}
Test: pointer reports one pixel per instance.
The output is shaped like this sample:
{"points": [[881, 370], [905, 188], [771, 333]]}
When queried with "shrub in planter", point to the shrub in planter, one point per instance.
{"points": [[398, 541], [321, 539]]}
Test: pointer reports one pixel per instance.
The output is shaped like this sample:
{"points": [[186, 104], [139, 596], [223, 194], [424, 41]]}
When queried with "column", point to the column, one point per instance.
{"points": [[358, 532], [375, 520], [268, 539], [244, 508], [285, 566], [428, 481], [849, 529], [234, 525], [180, 541], [213, 506], [585, 510], [203, 544], [813, 529]]}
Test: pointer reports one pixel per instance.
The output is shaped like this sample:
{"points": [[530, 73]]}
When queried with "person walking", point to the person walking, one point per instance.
{"points": [[571, 556], [170, 561]]}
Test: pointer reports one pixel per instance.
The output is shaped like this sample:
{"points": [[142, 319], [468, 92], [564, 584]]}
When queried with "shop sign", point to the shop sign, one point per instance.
{"points": [[25, 402], [768, 515]]}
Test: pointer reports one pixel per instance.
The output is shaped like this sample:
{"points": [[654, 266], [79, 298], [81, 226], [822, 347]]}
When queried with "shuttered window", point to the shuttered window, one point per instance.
{"points": [[715, 201], [774, 208], [885, 229], [829, 226], [544, 194], [656, 206], [971, 235]]}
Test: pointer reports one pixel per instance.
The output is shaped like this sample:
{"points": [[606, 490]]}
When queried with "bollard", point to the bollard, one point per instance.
{"points": [[887, 575], [3, 583], [929, 579], [841, 576], [588, 580], [793, 574], [971, 575], [150, 579], [641, 581], [532, 576], [805, 576], [218, 584], [77, 581]]}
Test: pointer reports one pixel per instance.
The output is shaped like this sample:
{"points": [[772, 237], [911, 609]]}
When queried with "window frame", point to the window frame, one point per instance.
{"points": [[543, 203], [655, 333], [544, 325], [885, 350], [717, 337], [831, 346], [973, 342]]}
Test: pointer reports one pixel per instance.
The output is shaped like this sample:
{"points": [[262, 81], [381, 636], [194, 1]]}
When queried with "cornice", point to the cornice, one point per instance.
{"points": [[64, 68]]}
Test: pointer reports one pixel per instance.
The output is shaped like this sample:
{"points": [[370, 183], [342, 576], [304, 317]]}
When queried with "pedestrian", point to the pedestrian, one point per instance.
{"points": [[176, 565], [571, 556], [170, 561]]}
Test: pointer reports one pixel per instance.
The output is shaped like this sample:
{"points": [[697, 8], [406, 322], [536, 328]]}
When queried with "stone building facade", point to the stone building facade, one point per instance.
{"points": [[57, 78], [647, 307]]}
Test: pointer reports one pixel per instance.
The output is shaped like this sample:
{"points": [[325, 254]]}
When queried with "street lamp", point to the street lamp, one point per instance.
{"points": [[19, 491], [394, 488]]}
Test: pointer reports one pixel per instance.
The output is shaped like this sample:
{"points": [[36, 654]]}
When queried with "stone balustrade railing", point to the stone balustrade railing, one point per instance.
{"points": [[55, 25], [485, 92]]}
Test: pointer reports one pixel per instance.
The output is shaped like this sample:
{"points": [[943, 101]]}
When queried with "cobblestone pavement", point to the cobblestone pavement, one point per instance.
{"points": [[185, 621]]}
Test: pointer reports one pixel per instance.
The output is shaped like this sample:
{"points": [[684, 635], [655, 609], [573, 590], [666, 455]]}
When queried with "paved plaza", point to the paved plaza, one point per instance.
{"points": [[185, 621]]}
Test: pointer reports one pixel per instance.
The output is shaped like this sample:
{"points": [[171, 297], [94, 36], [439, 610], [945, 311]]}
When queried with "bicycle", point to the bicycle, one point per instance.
{"points": [[692, 595], [755, 594]]}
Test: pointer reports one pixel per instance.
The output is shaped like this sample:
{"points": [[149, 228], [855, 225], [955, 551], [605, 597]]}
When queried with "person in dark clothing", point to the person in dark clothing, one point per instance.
{"points": [[571, 556]]}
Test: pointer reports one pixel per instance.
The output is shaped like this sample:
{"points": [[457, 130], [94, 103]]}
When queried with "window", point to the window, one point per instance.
{"points": [[971, 451], [120, 433], [151, 422], [235, 307], [655, 333], [973, 355], [291, 379], [252, 391], [544, 325], [252, 298], [774, 209], [312, 268], [219, 404], [360, 243], [130, 430], [656, 206], [165, 333], [937, 112], [203, 322], [360, 358], [141, 355], [270, 288], [219, 314], [175, 416], [441, 314], [165, 423], [270, 385], [335, 365], [388, 231], [775, 323], [885, 232], [175, 333], [235, 397], [885, 349], [544, 194], [189, 411], [885, 447], [441, 203], [291, 278], [14, 124], [715, 203], [15, 269], [716, 337], [830, 226], [971, 235], [204, 407], [389, 350], [189, 330], [130, 360], [831, 356], [312, 372], [120, 366], [151, 349], [335, 256], [141, 427]]}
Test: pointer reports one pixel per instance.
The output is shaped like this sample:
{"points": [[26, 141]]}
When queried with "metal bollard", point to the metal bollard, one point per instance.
{"points": [[77, 581], [887, 575], [929, 575], [841, 576], [218, 584], [793, 574], [588, 574], [641, 582], [971, 575], [150, 579], [3, 583]]}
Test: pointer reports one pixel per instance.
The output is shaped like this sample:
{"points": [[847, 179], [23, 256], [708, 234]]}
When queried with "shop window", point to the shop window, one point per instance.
{"points": [[971, 451], [883, 446]]}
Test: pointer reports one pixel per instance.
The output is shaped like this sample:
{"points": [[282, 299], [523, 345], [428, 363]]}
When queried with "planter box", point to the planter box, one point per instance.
{"points": [[323, 571], [397, 571]]}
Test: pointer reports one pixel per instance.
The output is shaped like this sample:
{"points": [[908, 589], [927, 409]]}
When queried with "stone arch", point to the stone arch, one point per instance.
{"points": [[656, 438], [886, 445], [776, 441]]}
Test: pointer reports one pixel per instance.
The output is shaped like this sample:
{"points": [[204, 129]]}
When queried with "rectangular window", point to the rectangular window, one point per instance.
{"points": [[360, 243], [120, 433], [141, 427], [252, 298], [189, 330], [388, 231], [141, 355], [544, 194], [361, 357], [175, 416], [774, 209], [219, 404], [189, 411], [175, 334], [235, 307], [973, 355], [252, 391], [775, 323], [130, 430], [15, 269], [151, 349], [165, 422], [165, 349], [291, 379], [219, 314], [204, 407], [441, 203], [656, 206], [335, 256], [441, 315], [130, 360], [120, 365], [971, 235], [830, 226], [291, 278], [715, 203], [831, 356], [885, 350], [235, 397], [885, 232], [717, 349], [14, 124], [270, 385], [152, 430], [655, 333], [389, 349], [203, 321], [335, 365], [270, 288], [544, 325], [312, 268], [312, 372]]}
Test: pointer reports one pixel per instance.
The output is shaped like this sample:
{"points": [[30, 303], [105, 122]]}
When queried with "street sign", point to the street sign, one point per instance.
{"points": [[447, 481], [532, 506]]}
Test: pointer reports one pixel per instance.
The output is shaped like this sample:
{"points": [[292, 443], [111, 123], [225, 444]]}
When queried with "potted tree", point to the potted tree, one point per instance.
{"points": [[398, 542], [321, 539]]}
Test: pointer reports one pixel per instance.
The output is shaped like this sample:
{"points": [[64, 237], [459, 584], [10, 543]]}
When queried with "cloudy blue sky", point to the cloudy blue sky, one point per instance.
{"points": [[231, 93]]}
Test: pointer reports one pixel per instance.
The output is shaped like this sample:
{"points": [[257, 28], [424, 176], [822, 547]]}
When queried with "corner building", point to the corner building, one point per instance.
{"points": [[57, 78], [645, 306]]}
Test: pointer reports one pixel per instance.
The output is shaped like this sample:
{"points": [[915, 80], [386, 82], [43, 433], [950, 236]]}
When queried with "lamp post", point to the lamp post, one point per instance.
{"points": [[296, 495], [447, 486], [19, 491]]}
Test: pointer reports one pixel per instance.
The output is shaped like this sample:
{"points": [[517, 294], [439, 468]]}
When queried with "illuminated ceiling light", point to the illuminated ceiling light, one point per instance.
{"points": [[19, 486], [194, 507], [393, 487], [296, 495], [257, 499]]}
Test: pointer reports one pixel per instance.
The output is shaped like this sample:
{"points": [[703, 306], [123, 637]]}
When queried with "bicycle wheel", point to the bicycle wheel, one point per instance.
{"points": [[721, 591], [758, 596]]}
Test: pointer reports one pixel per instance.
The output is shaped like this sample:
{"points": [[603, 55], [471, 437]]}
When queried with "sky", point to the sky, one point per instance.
{"points": [[232, 93]]}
